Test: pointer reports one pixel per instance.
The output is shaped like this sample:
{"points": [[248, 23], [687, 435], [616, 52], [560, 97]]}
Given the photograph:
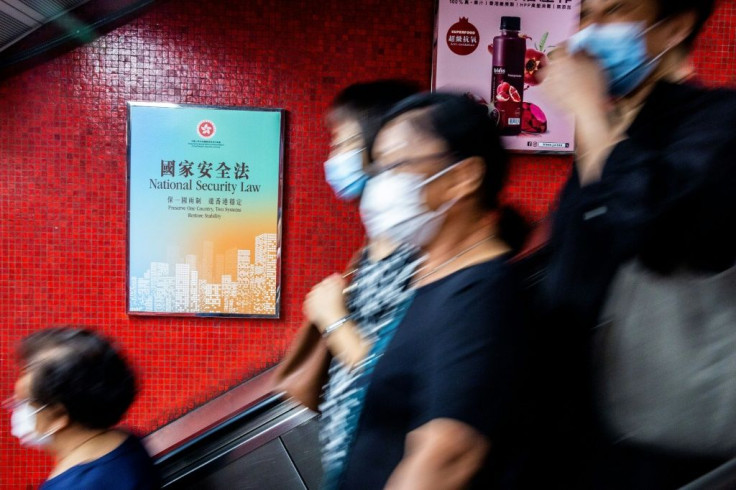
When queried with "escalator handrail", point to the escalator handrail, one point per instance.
{"points": [[249, 411], [253, 395]]}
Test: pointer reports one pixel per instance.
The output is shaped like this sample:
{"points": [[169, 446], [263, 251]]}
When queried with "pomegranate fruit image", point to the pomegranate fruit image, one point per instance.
{"points": [[533, 119], [503, 92], [514, 94], [534, 61]]}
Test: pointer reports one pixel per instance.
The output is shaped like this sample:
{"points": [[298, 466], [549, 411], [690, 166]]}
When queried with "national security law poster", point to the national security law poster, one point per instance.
{"points": [[204, 201], [473, 55]]}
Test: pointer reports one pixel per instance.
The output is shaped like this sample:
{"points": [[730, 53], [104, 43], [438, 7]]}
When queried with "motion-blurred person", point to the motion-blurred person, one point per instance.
{"points": [[353, 119], [653, 180], [74, 387], [379, 273], [436, 397]]}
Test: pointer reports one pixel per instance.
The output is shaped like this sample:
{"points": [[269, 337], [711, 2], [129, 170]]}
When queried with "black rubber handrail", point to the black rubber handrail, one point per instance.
{"points": [[250, 411]]}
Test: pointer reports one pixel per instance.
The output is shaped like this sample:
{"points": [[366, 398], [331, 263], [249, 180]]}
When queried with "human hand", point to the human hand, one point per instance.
{"points": [[325, 303], [579, 86], [576, 82]]}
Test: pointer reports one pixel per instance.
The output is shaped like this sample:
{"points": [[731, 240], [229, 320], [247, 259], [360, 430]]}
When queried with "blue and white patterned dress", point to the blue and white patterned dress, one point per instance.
{"points": [[379, 296]]}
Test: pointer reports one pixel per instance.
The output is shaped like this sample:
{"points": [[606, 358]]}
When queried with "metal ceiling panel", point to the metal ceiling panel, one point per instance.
{"points": [[51, 8], [32, 31], [10, 28], [18, 15], [31, 14], [22, 7]]}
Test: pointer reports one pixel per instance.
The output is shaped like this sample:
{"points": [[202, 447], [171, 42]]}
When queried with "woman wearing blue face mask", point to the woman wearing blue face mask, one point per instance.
{"points": [[378, 273], [352, 120], [438, 396], [653, 180], [73, 389]]}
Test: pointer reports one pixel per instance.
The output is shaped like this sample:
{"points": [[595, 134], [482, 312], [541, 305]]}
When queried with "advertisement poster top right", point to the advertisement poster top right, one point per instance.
{"points": [[493, 51]]}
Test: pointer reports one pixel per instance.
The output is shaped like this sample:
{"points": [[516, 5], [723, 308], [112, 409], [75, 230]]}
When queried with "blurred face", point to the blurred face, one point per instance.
{"points": [[609, 11], [47, 419], [400, 148], [22, 386], [345, 168], [658, 38], [345, 135], [413, 191]]}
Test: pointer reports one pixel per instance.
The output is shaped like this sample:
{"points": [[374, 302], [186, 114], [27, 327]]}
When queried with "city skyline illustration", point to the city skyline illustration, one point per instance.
{"points": [[238, 281]]}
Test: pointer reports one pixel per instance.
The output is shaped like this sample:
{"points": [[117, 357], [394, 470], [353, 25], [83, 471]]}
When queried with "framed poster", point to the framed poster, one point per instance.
{"points": [[204, 210], [493, 50]]}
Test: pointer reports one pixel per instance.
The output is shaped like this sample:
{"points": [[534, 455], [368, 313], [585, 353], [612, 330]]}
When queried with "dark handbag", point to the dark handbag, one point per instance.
{"points": [[302, 373], [667, 360]]}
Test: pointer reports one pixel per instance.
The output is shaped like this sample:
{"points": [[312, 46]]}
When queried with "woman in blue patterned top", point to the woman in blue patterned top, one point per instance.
{"points": [[380, 277]]}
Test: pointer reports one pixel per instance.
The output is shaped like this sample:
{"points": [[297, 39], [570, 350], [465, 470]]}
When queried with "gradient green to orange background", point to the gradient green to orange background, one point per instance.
{"points": [[163, 133]]}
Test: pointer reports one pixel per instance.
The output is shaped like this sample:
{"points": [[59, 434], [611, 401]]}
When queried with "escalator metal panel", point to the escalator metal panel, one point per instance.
{"points": [[248, 450], [267, 467], [302, 444]]}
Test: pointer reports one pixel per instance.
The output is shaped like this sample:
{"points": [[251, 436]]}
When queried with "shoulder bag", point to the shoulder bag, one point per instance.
{"points": [[302, 373], [666, 357]]}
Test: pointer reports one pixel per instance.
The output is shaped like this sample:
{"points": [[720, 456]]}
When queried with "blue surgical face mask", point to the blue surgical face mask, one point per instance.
{"points": [[621, 50], [344, 172]]}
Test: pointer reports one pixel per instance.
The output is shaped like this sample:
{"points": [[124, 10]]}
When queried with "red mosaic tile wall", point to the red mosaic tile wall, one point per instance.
{"points": [[63, 191]]}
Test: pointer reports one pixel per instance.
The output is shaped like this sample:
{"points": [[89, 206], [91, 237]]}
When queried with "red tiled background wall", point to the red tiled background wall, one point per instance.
{"points": [[63, 164]]}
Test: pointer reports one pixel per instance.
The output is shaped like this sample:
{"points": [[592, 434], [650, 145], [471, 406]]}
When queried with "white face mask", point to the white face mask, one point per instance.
{"points": [[23, 425], [393, 205]]}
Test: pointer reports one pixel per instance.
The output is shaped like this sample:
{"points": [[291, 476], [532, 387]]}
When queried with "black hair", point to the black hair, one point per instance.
{"points": [[468, 130], [367, 102], [82, 372], [702, 9]]}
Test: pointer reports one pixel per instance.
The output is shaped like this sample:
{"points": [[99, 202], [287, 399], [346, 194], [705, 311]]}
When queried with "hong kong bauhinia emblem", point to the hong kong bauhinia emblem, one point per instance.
{"points": [[206, 129]]}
